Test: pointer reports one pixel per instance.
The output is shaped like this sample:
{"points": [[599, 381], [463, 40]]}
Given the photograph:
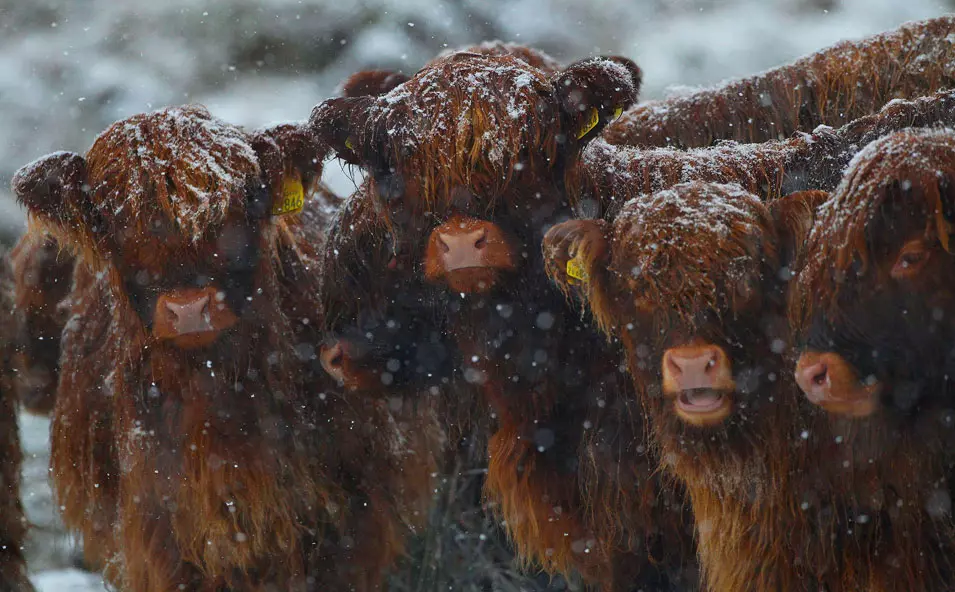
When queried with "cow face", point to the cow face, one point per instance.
{"points": [[692, 280], [175, 206], [876, 300], [384, 327], [466, 158]]}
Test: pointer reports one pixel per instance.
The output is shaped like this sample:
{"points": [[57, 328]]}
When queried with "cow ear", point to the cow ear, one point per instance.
{"points": [[291, 159], [594, 92], [576, 255], [340, 124], [794, 216], [372, 82], [54, 189]]}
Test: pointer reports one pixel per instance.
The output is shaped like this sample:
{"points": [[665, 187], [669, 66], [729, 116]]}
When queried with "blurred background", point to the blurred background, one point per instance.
{"points": [[69, 68]]}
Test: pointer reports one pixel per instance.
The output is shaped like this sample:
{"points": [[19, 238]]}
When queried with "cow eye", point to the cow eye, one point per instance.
{"points": [[911, 260]]}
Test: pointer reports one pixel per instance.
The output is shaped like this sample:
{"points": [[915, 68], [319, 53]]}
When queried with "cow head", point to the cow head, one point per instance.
{"points": [[466, 158], [875, 300], [692, 281], [382, 322], [176, 206]]}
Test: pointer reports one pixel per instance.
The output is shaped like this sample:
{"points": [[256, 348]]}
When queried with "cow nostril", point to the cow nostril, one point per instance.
{"points": [[820, 377], [444, 245], [672, 365], [173, 311], [481, 241], [334, 357], [337, 359]]}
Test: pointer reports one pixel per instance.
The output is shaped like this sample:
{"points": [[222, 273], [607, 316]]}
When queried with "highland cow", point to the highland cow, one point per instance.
{"points": [[605, 176], [831, 87], [44, 278], [692, 281], [874, 306], [213, 453], [13, 522], [466, 163]]}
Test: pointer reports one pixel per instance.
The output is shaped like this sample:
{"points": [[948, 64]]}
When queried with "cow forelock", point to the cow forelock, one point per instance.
{"points": [[489, 124], [859, 293], [177, 164], [910, 172], [694, 252]]}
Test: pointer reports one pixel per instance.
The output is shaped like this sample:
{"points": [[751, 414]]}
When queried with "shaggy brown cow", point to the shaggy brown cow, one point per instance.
{"points": [[606, 176], [191, 422], [831, 87], [692, 281], [44, 278], [13, 522], [466, 161], [875, 303]]}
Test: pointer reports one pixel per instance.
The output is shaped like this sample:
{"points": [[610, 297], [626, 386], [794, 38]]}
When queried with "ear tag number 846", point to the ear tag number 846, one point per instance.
{"points": [[293, 197]]}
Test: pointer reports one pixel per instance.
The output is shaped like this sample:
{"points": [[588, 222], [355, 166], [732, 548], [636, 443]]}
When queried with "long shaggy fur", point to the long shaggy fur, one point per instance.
{"points": [[890, 473], [831, 87], [607, 176], [239, 466], [466, 120], [13, 522], [43, 274], [840, 243]]}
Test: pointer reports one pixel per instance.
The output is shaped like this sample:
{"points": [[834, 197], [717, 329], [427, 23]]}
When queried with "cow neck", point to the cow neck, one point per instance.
{"points": [[894, 501], [221, 425], [529, 345]]}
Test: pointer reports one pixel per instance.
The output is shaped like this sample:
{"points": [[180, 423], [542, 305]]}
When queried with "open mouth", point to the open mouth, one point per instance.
{"points": [[704, 406]]}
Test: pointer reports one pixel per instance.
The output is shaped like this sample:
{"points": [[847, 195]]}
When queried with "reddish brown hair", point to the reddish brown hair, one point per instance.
{"points": [[831, 87], [273, 476], [13, 521]]}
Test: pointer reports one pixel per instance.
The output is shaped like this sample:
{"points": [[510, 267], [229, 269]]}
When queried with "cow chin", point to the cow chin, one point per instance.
{"points": [[191, 341], [472, 280], [703, 407]]}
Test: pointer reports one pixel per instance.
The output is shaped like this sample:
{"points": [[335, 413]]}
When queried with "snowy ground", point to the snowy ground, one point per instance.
{"points": [[70, 67], [51, 552]]}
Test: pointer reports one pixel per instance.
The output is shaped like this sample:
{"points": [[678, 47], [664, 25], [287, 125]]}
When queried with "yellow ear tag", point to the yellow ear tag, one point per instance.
{"points": [[593, 118], [617, 112], [576, 270], [293, 197], [349, 144]]}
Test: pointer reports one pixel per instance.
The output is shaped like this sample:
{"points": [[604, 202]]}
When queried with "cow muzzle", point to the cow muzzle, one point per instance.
{"points": [[191, 318], [699, 378], [344, 361], [829, 381], [467, 254]]}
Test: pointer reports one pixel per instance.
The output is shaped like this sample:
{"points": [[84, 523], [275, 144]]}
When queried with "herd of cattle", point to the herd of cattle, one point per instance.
{"points": [[709, 340]]}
